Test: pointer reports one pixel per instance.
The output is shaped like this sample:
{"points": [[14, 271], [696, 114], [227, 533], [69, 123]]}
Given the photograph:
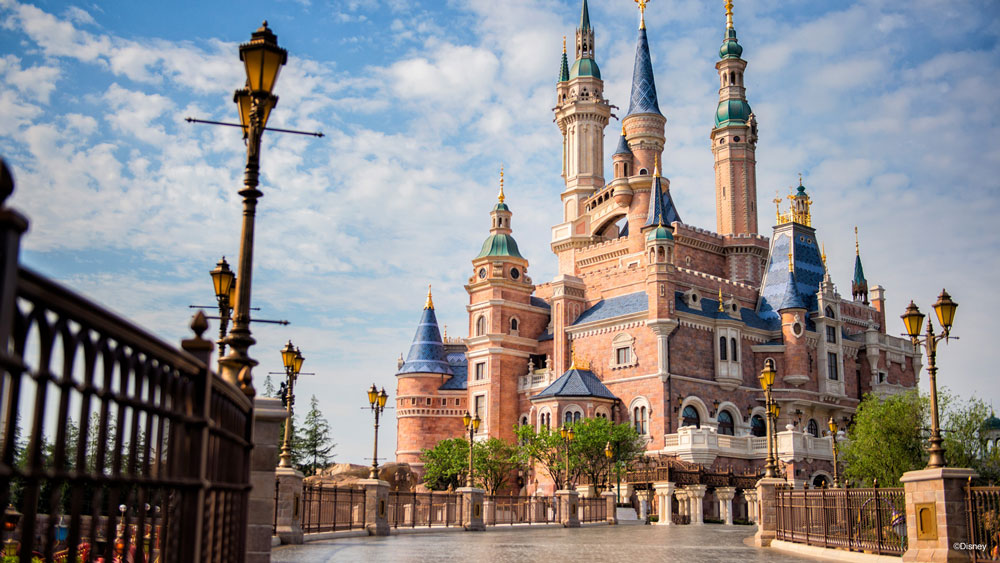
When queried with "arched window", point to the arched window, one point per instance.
{"points": [[568, 417], [722, 348], [635, 420], [576, 416], [735, 350], [513, 325], [481, 325], [725, 423], [757, 426], [829, 313], [820, 481], [524, 420], [813, 428], [691, 418]]}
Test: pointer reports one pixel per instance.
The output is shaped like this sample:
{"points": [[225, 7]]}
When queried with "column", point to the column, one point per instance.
{"points": [[725, 496], [472, 508], [665, 494], [267, 417], [936, 514], [767, 512], [697, 493], [682, 502], [289, 508], [612, 510], [568, 508], [376, 502], [748, 496]]}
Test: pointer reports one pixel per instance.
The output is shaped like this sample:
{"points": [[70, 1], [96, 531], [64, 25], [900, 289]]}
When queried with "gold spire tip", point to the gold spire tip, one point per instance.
{"points": [[824, 255], [729, 14], [642, 13], [623, 129], [857, 247], [564, 44], [656, 166], [430, 301], [501, 196], [720, 300], [800, 178]]}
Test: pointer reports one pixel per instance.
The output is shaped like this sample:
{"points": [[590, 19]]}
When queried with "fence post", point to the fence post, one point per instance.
{"points": [[472, 508], [568, 502], [970, 518], [376, 505], [289, 515], [268, 415], [767, 524], [936, 521], [611, 509], [12, 226]]}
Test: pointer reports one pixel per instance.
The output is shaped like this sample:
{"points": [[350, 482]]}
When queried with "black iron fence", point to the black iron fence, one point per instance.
{"points": [[328, 508], [113, 444], [871, 520], [983, 509], [410, 510], [592, 509]]}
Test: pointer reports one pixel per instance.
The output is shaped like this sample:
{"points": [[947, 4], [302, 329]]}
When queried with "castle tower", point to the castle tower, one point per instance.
{"points": [[420, 421], [644, 131], [734, 142], [581, 113], [859, 285], [502, 321]]}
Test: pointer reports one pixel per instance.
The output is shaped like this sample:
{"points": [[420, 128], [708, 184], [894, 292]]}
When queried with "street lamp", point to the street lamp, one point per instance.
{"points": [[224, 282], [472, 425], [376, 399], [567, 435], [292, 359], [263, 60], [914, 319], [766, 379], [833, 434]]}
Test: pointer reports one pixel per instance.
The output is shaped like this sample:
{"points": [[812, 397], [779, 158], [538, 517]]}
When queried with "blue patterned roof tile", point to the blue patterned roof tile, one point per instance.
{"points": [[615, 307], [539, 302], [576, 383], [427, 350], [643, 98], [460, 373], [661, 205]]}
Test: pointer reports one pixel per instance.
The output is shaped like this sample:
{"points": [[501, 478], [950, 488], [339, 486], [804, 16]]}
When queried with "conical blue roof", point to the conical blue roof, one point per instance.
{"points": [[623, 146], [643, 98], [660, 205], [791, 299], [427, 350], [576, 383]]}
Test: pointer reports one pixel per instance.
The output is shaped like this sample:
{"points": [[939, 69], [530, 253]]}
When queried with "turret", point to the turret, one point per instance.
{"points": [[859, 285]]}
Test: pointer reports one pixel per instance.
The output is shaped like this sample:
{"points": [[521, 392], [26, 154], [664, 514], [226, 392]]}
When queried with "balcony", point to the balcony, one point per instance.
{"points": [[703, 445]]}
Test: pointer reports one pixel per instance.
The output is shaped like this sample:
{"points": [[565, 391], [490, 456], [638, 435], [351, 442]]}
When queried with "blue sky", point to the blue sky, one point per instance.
{"points": [[886, 108]]}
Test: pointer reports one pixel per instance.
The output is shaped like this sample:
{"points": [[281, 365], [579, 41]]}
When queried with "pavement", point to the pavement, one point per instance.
{"points": [[626, 542]]}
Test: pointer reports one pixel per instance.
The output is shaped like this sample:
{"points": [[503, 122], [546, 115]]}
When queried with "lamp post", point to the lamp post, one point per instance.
{"points": [[833, 434], [224, 282], [766, 379], [292, 359], [263, 60], [567, 435], [914, 320], [376, 399], [472, 425]]}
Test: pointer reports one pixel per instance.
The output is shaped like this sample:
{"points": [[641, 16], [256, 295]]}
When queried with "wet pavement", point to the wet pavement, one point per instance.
{"points": [[635, 542]]}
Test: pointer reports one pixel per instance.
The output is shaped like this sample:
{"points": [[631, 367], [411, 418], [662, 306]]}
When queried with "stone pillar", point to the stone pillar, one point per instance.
{"points": [[586, 491], [753, 506], [268, 414], [289, 509], [472, 508], [725, 495], [697, 493], [612, 510], [489, 512], [568, 508], [936, 514], [376, 506], [665, 494], [767, 512], [681, 496], [536, 510]]}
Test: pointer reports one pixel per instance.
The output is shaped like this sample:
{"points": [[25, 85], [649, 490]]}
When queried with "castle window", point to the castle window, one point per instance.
{"points": [[735, 350], [640, 417], [480, 371], [457, 401], [524, 421], [725, 423], [722, 348], [831, 366], [480, 407], [758, 427], [829, 313], [623, 346], [812, 428], [513, 325], [690, 417], [444, 402], [413, 401], [831, 334], [428, 401], [643, 172], [481, 325], [623, 355], [881, 377]]}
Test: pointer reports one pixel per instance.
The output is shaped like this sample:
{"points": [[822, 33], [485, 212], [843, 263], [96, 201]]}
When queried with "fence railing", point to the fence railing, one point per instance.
{"points": [[871, 520], [592, 509], [328, 509], [411, 510], [983, 509]]}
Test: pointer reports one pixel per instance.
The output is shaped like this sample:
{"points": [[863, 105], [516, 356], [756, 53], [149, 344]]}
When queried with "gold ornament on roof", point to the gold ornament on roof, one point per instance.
{"points": [[656, 166], [824, 256], [642, 13], [576, 362], [501, 196], [430, 302], [564, 44], [799, 211], [857, 247], [729, 14], [791, 262], [720, 300]]}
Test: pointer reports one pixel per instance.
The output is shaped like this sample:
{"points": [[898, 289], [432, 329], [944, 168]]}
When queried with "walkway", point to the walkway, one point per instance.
{"points": [[710, 543]]}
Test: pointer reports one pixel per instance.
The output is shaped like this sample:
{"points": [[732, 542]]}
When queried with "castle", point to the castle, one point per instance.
{"points": [[652, 321]]}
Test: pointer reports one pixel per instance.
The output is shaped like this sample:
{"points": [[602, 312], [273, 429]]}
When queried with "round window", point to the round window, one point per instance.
{"points": [[514, 274], [797, 329], [482, 273], [736, 139]]}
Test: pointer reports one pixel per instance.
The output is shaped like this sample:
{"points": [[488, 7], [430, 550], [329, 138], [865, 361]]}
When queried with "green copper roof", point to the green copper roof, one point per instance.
{"points": [[564, 69], [500, 245], [501, 206], [859, 271], [659, 233], [732, 110], [584, 67], [731, 48], [585, 16]]}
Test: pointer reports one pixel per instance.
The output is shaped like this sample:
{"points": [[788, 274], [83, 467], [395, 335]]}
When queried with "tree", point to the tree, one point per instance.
{"points": [[592, 436], [269, 390], [545, 448], [446, 464], [884, 440], [494, 462], [312, 441]]}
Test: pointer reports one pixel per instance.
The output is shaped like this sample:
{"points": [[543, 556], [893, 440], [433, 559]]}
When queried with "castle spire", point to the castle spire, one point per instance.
{"points": [[585, 46], [859, 285], [661, 205], [500, 197], [729, 14], [642, 13], [585, 16], [430, 301], [564, 65], [643, 97]]}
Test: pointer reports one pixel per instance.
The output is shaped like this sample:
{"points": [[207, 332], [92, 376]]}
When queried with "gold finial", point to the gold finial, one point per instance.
{"points": [[800, 178], [623, 129], [642, 13], [501, 196], [564, 44], [857, 247], [430, 302], [656, 166], [729, 14], [720, 300], [445, 335], [777, 206], [791, 262], [824, 256]]}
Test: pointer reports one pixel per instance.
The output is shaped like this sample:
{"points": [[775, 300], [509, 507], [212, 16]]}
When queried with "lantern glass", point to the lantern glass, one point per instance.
{"points": [[372, 395], [607, 451], [263, 59], [476, 422], [832, 426], [232, 294], [913, 319], [563, 432], [945, 309], [466, 420], [570, 434], [244, 104], [288, 355], [382, 397], [297, 362], [222, 279], [767, 374]]}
